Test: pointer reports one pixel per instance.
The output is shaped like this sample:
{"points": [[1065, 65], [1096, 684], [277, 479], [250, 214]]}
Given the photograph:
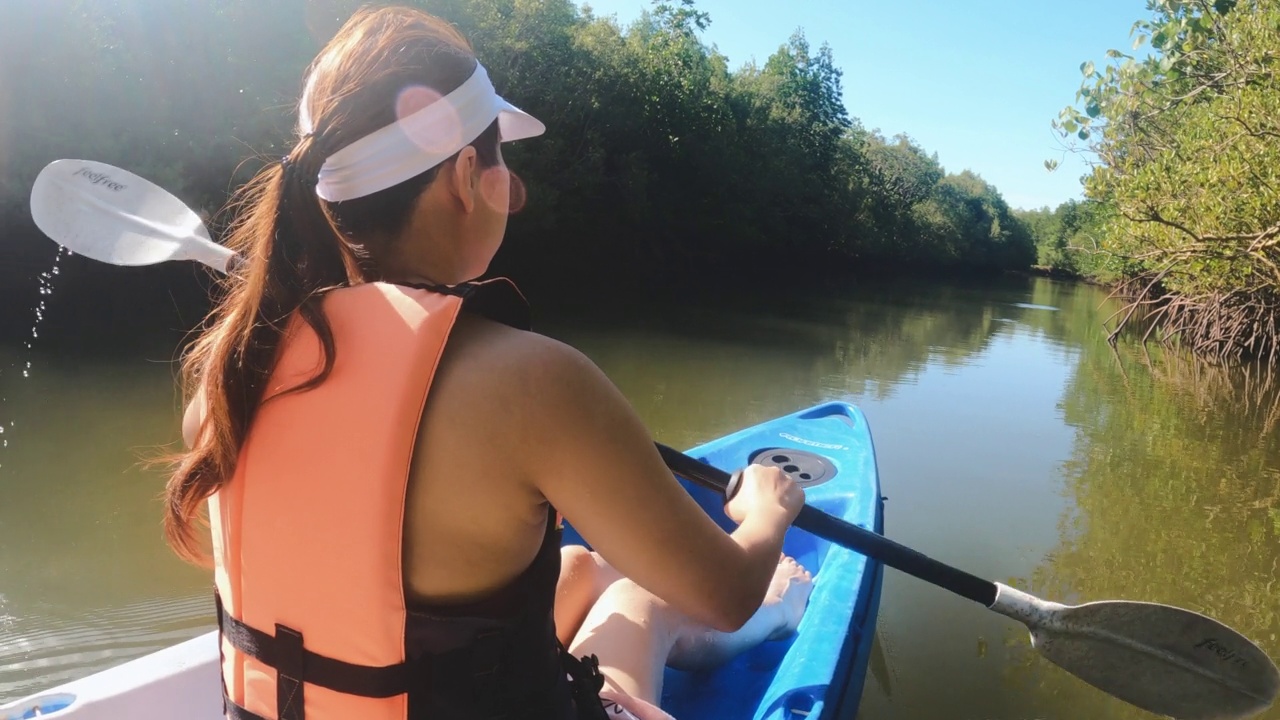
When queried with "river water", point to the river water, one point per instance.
{"points": [[1012, 441]]}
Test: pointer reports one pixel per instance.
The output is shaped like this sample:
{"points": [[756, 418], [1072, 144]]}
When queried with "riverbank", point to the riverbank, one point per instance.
{"points": [[96, 307]]}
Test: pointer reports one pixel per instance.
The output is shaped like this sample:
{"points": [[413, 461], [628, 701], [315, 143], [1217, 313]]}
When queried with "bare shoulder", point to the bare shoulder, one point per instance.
{"points": [[510, 390], [524, 370], [521, 349]]}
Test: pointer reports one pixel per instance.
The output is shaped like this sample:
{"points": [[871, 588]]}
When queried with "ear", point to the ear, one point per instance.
{"points": [[463, 178]]}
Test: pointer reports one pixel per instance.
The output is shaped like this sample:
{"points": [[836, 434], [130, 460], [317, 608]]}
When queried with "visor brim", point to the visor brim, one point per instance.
{"points": [[516, 124]]}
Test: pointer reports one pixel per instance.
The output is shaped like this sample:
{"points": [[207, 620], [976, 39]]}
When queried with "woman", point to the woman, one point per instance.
{"points": [[384, 446]]}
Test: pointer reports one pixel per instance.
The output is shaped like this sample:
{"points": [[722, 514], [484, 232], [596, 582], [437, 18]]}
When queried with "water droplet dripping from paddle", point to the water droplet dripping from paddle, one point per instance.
{"points": [[45, 291]]}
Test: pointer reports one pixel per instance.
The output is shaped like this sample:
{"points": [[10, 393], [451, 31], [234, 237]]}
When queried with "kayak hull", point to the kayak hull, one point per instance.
{"points": [[817, 673]]}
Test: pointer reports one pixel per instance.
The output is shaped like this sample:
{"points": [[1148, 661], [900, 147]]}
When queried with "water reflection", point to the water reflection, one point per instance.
{"points": [[1177, 491], [1012, 441], [85, 579], [962, 388]]}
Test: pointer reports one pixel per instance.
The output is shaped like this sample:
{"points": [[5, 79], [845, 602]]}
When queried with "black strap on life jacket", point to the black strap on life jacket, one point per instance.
{"points": [[296, 665], [498, 300]]}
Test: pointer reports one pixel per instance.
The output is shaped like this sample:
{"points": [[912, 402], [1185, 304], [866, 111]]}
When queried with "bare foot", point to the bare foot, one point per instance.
{"points": [[789, 593], [698, 647]]}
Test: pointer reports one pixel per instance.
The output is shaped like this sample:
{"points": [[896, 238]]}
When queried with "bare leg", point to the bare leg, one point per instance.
{"points": [[635, 634], [584, 576]]}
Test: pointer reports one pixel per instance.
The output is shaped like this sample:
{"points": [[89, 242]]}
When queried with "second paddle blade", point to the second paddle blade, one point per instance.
{"points": [[1164, 659]]}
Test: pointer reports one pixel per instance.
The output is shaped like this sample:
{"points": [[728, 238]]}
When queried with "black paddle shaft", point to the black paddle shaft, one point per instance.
{"points": [[845, 534]]}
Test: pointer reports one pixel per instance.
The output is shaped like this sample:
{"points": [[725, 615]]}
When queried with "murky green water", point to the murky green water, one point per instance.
{"points": [[1012, 441]]}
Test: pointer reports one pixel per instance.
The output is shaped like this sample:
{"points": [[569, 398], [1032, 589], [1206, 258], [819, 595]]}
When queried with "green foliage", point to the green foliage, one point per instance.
{"points": [[965, 219], [1189, 142], [1066, 239], [659, 158], [919, 212]]}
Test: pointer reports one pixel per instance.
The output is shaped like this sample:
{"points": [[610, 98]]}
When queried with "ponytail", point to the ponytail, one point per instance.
{"points": [[293, 254]]}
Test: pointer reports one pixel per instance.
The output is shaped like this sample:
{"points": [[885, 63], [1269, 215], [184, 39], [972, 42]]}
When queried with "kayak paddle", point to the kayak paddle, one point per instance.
{"points": [[116, 217], [1160, 658]]}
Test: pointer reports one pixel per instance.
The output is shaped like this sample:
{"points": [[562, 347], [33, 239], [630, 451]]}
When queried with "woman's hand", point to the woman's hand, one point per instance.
{"points": [[766, 494]]}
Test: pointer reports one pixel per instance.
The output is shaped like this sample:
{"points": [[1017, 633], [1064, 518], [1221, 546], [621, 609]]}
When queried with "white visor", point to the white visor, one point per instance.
{"points": [[419, 141]]}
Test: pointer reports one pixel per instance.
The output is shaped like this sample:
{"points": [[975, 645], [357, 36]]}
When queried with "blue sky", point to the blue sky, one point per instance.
{"points": [[976, 81]]}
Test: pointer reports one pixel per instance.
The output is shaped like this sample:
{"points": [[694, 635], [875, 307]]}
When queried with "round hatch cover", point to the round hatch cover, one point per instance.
{"points": [[806, 468]]}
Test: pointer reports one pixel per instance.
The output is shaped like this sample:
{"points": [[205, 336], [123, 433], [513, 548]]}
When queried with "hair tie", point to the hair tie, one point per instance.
{"points": [[307, 166], [305, 161]]}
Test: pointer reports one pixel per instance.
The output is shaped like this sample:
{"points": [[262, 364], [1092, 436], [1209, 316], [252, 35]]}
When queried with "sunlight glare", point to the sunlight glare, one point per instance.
{"points": [[442, 135], [502, 190]]}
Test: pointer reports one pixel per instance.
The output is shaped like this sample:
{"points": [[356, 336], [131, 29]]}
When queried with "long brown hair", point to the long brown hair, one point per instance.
{"points": [[296, 246]]}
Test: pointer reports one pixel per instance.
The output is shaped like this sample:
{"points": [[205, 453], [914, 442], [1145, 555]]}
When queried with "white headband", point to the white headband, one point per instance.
{"points": [[419, 141]]}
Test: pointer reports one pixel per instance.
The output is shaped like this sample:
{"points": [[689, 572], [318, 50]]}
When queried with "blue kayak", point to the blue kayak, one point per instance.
{"points": [[818, 672]]}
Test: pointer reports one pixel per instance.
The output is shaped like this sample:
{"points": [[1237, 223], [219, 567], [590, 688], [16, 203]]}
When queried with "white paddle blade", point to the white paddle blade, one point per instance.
{"points": [[114, 216], [1164, 659]]}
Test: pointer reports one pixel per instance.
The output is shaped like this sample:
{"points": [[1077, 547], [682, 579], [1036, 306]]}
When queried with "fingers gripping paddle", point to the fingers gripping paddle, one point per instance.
{"points": [[1160, 658], [112, 215]]}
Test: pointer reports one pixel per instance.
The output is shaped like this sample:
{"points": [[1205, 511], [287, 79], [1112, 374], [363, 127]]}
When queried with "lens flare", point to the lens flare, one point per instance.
{"points": [[441, 135], [517, 195], [495, 188]]}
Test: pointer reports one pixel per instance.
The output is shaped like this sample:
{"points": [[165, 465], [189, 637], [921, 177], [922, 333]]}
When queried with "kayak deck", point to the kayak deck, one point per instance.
{"points": [[818, 672]]}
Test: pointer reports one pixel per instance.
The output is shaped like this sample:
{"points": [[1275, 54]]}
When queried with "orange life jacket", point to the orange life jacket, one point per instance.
{"points": [[307, 541]]}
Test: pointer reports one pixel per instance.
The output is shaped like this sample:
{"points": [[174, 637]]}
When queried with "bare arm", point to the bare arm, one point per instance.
{"points": [[591, 456]]}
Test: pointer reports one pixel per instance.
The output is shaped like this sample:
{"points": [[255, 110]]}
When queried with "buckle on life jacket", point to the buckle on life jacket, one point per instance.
{"points": [[290, 669], [585, 682]]}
